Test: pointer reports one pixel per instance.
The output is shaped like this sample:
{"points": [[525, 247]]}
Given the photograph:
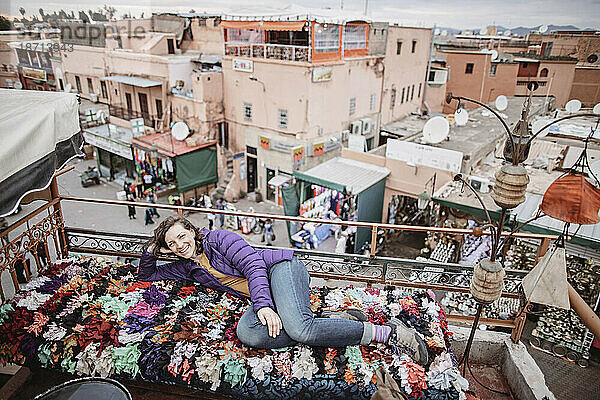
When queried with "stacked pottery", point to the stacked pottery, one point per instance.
{"points": [[511, 184], [486, 285]]}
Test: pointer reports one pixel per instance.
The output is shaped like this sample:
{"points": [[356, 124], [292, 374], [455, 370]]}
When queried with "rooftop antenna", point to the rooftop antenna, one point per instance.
{"points": [[366, 6]]}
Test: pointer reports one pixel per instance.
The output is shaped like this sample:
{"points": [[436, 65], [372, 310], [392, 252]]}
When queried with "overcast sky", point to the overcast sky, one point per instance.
{"points": [[456, 14]]}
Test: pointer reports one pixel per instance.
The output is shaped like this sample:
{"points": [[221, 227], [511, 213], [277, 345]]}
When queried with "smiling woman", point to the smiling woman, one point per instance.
{"points": [[277, 284]]}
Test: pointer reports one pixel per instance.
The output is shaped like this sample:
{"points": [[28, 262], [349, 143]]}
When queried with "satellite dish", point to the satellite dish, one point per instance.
{"points": [[494, 55], [501, 103], [596, 109], [180, 130], [444, 33], [461, 116], [539, 124], [573, 105], [436, 32], [436, 130], [543, 29], [68, 88], [483, 31], [18, 85], [507, 32], [101, 116]]}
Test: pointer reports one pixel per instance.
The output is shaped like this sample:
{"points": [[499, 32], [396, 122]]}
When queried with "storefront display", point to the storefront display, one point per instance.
{"points": [[324, 204]]}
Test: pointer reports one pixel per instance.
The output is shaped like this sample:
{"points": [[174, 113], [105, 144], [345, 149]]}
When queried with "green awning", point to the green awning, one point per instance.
{"points": [[319, 181], [476, 211], [196, 169]]}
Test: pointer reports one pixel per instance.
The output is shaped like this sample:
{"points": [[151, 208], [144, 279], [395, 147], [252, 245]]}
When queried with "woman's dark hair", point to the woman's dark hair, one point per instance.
{"points": [[159, 242]]}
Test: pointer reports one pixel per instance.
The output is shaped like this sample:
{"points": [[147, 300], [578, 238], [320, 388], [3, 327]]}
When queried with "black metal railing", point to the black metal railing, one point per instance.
{"points": [[126, 114]]}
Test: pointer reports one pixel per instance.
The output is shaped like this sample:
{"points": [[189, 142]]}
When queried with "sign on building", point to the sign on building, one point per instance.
{"points": [[109, 144], [243, 65], [137, 125], [318, 149], [297, 157], [428, 156], [265, 142], [32, 73], [322, 74]]}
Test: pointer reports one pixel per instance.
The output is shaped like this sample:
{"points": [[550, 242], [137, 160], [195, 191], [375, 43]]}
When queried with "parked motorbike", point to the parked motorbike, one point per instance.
{"points": [[90, 177]]}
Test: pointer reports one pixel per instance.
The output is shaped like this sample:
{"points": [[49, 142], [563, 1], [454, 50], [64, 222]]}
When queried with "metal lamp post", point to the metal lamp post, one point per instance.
{"points": [[508, 192]]}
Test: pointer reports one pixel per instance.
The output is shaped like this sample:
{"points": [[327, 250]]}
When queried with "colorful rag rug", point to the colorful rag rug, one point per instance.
{"points": [[89, 316]]}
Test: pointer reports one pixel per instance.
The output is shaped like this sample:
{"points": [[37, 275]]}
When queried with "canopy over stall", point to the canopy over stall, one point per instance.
{"points": [[355, 178], [195, 166], [40, 133]]}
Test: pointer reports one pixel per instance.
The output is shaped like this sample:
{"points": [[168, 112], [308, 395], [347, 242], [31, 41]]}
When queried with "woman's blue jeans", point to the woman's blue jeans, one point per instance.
{"points": [[290, 290]]}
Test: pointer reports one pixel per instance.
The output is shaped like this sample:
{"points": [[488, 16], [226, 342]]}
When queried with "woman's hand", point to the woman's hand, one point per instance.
{"points": [[268, 317]]}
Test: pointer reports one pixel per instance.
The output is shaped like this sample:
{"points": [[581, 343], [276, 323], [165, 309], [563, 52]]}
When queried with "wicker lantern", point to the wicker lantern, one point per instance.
{"points": [[511, 184], [488, 278]]}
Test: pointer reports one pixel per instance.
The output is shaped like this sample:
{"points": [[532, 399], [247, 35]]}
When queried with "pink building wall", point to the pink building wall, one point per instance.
{"points": [[404, 70]]}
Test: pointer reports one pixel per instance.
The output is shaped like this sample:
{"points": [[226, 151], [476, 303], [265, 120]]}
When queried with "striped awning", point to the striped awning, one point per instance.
{"points": [[240, 24], [283, 25]]}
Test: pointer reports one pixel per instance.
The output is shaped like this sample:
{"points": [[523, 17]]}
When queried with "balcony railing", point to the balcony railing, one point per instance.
{"points": [[124, 113], [351, 267], [268, 50]]}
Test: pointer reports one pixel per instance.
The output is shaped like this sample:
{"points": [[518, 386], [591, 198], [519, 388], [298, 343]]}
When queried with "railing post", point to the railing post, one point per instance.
{"points": [[373, 241], [293, 53], [62, 239]]}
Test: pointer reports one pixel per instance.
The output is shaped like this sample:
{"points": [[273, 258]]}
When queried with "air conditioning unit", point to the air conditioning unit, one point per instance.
{"points": [[482, 185], [367, 124], [356, 127], [345, 134], [93, 97]]}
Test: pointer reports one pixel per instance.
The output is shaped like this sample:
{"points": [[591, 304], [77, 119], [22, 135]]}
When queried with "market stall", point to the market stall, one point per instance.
{"points": [[170, 165], [340, 188]]}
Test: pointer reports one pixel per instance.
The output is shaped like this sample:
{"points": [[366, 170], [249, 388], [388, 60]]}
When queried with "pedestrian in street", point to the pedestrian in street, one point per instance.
{"points": [[211, 221], [268, 232], [152, 199], [131, 208], [139, 184], [221, 206], [126, 188], [148, 219]]}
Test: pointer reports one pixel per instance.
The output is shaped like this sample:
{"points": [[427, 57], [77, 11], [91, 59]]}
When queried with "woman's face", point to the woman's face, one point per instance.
{"points": [[181, 241]]}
